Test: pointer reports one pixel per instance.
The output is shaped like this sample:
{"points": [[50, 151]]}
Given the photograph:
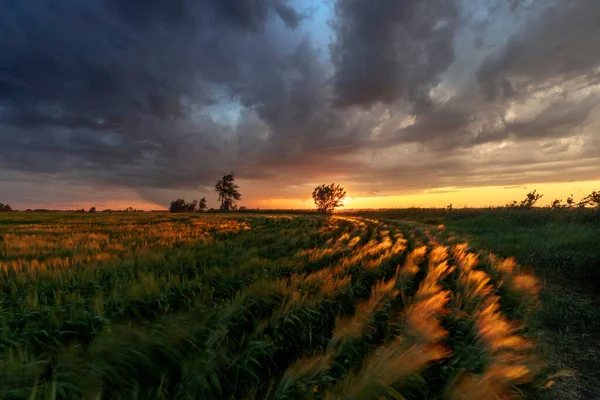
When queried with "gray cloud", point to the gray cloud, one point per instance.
{"points": [[561, 43], [124, 87], [387, 50], [155, 95]]}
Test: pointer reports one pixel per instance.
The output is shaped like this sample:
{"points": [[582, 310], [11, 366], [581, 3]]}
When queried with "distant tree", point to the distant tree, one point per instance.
{"points": [[92, 210], [178, 206], [242, 208], [530, 199], [202, 204], [5, 207], [557, 203], [592, 199], [328, 197], [228, 192]]}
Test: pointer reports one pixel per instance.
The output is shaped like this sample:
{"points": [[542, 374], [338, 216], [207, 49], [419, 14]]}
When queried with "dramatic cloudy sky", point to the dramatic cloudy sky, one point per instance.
{"points": [[137, 102]]}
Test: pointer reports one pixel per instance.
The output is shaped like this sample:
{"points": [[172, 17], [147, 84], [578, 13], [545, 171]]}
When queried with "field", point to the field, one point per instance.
{"points": [[253, 306]]}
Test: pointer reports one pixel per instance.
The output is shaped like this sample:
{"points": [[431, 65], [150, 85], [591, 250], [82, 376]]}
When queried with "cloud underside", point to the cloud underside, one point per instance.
{"points": [[408, 94]]}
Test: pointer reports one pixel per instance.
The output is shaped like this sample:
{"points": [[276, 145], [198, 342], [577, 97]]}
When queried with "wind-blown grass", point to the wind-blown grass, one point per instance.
{"points": [[257, 306]]}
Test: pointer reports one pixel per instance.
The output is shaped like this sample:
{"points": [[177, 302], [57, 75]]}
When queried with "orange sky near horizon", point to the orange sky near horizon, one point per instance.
{"points": [[459, 197], [486, 196]]}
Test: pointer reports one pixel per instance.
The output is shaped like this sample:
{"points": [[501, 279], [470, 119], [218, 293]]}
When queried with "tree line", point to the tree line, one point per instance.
{"points": [[326, 197], [228, 195], [180, 205], [591, 200], [329, 197]]}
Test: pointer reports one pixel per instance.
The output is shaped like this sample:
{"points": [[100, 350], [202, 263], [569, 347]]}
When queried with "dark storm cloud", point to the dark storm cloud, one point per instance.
{"points": [[443, 122], [561, 43], [385, 50], [558, 119], [172, 94], [114, 85], [550, 61]]}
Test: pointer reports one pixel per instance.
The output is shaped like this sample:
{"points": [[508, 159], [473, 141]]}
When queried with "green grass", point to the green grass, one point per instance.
{"points": [[556, 242], [563, 248], [253, 306]]}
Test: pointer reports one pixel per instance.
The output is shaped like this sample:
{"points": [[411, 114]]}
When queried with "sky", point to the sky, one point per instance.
{"points": [[114, 103]]}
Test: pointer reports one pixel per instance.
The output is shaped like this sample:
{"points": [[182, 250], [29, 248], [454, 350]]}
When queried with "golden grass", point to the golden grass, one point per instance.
{"points": [[400, 306]]}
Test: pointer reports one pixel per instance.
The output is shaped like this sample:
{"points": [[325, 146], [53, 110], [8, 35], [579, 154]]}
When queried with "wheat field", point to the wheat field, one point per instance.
{"points": [[243, 306]]}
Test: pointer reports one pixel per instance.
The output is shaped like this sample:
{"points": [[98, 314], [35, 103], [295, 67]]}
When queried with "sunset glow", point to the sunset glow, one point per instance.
{"points": [[461, 102], [285, 199]]}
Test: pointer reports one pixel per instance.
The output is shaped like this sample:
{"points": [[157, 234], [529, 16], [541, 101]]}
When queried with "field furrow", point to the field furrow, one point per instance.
{"points": [[255, 306]]}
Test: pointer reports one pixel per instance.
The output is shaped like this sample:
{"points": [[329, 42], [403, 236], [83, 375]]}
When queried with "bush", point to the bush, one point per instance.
{"points": [[181, 206]]}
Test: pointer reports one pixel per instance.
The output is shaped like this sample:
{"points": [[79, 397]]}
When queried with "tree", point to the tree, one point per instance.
{"points": [[92, 210], [178, 206], [5, 207], [557, 203], [328, 197], [202, 204], [592, 199], [530, 199], [228, 192]]}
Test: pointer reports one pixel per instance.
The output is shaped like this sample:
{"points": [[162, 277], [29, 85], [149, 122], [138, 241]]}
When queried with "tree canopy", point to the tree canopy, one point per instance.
{"points": [[328, 197], [228, 192], [5, 207], [180, 206]]}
